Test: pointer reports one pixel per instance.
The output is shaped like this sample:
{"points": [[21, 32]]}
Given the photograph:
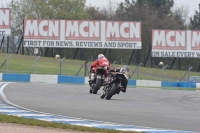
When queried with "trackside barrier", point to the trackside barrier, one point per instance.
{"points": [[86, 80], [0, 76], [180, 84], [131, 82], [61, 79], [71, 79], [198, 85], [50, 79], [148, 83], [16, 77], [187, 84], [168, 84]]}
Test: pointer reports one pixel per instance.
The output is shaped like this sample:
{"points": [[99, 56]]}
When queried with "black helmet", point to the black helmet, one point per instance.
{"points": [[126, 67]]}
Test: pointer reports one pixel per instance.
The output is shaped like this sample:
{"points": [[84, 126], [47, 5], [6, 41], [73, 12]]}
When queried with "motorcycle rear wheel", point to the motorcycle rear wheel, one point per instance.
{"points": [[97, 86], [112, 91]]}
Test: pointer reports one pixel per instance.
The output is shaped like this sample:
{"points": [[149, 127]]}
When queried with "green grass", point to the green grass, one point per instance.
{"points": [[34, 122], [25, 64], [46, 65]]}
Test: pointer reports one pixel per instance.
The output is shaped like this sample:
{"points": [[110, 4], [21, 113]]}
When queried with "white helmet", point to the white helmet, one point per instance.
{"points": [[100, 56]]}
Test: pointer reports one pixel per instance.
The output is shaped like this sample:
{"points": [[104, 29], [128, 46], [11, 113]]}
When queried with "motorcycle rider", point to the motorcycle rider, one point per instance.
{"points": [[102, 61], [124, 82]]}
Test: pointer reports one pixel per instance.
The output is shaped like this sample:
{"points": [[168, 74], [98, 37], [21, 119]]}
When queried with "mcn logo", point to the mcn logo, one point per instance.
{"points": [[42, 29], [82, 30], [168, 40], [4, 18], [195, 40], [123, 31]]}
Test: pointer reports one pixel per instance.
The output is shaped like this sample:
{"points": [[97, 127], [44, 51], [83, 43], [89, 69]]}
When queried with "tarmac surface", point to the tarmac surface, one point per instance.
{"points": [[157, 108]]}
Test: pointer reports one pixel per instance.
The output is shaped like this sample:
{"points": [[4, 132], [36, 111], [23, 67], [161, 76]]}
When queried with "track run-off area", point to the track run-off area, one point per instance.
{"points": [[139, 109]]}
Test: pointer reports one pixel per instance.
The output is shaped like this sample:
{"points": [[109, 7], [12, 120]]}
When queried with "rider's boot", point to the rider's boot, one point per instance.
{"points": [[123, 89]]}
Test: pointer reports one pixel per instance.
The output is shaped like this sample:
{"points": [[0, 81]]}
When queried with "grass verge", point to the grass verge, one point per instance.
{"points": [[34, 122]]}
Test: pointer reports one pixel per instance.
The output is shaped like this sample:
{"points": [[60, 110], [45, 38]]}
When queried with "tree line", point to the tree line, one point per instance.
{"points": [[154, 14]]}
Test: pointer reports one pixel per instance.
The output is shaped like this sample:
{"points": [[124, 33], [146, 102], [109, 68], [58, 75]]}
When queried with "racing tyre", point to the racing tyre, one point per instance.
{"points": [[97, 86], [112, 91]]}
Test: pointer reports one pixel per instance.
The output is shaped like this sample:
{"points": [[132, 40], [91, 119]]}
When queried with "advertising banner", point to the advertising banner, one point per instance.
{"points": [[5, 21], [176, 43], [82, 34]]}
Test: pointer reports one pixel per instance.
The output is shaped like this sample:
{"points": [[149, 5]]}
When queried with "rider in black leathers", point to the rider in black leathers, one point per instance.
{"points": [[124, 81]]}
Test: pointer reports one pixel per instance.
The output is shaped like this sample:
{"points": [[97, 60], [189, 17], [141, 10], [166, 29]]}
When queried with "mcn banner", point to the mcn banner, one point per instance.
{"points": [[5, 21], [176, 43], [82, 34]]}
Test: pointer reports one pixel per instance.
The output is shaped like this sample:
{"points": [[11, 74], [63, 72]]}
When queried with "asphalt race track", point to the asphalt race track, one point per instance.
{"points": [[157, 108]]}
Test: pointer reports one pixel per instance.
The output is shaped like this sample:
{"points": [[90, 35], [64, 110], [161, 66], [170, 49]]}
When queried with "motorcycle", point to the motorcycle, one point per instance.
{"points": [[97, 79], [114, 84]]}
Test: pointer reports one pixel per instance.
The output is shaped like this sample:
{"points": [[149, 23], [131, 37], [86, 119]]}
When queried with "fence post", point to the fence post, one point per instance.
{"points": [[163, 69], [7, 62], [2, 41], [20, 43], [189, 72], [80, 69], [164, 72], [8, 43], [85, 72], [186, 73], [138, 68], [61, 65], [35, 63]]}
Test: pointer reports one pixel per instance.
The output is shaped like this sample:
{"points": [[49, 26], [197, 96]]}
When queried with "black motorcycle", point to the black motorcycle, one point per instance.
{"points": [[114, 84], [98, 79]]}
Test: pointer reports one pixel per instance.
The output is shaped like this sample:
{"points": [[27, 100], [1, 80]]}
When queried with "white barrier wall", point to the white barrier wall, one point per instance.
{"points": [[50, 79], [35, 78], [197, 85], [148, 83], [86, 80], [0, 76]]}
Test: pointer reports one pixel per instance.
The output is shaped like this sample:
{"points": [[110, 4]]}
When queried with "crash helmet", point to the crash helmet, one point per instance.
{"points": [[125, 68], [100, 56]]}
